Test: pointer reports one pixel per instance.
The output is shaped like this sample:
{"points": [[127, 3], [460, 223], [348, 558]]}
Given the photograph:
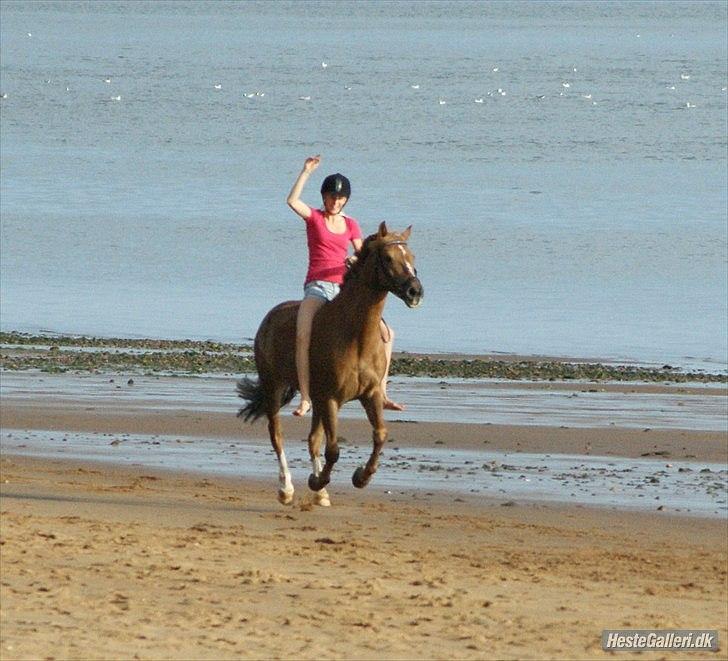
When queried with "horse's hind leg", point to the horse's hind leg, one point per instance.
{"points": [[285, 485], [373, 408], [314, 445]]}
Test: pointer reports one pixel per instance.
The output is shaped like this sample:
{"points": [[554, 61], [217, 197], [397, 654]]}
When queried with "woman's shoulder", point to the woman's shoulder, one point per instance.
{"points": [[352, 225]]}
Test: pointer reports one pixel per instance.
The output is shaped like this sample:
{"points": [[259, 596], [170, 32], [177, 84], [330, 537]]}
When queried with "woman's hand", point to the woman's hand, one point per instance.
{"points": [[350, 261], [312, 162]]}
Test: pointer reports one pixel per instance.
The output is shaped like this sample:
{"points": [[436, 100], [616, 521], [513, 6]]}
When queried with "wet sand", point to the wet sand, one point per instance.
{"points": [[108, 561]]}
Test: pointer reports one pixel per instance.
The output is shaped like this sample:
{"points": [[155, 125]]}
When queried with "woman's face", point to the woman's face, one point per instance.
{"points": [[333, 204]]}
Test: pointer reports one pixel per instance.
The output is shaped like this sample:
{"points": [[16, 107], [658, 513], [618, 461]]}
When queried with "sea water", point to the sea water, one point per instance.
{"points": [[563, 166]]}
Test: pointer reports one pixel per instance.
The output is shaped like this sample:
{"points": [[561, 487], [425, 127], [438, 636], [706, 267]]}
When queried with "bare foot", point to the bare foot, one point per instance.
{"points": [[392, 406], [303, 408]]}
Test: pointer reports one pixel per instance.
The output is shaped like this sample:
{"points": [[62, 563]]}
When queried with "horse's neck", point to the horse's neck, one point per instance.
{"points": [[361, 306]]}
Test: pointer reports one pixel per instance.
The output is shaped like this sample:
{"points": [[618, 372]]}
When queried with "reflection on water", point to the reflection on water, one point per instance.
{"points": [[426, 400], [697, 489]]}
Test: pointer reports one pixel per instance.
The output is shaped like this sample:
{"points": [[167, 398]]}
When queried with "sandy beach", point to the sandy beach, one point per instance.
{"points": [[155, 560]]}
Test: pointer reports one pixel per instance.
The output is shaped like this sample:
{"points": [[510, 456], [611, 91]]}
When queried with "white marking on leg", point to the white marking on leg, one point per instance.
{"points": [[320, 497], [284, 476]]}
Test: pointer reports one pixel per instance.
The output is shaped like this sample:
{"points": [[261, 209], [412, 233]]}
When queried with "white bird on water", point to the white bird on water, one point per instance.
{"points": [[685, 76], [324, 65], [442, 102], [495, 69], [250, 95], [304, 98], [587, 96], [478, 100], [415, 87], [4, 96], [689, 105], [116, 98], [567, 85], [107, 80], [218, 86]]}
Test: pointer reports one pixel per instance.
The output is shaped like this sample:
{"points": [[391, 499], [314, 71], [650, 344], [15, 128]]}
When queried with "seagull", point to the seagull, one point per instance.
{"points": [[540, 96], [495, 69], [501, 92], [685, 76], [250, 95], [442, 102], [29, 34], [566, 84], [218, 86], [107, 80], [689, 105], [116, 98], [478, 100], [415, 87], [324, 65], [586, 96], [261, 94], [671, 87], [4, 96], [304, 98]]}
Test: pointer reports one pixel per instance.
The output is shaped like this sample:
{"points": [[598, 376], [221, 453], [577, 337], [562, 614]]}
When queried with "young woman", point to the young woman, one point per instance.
{"points": [[329, 233]]}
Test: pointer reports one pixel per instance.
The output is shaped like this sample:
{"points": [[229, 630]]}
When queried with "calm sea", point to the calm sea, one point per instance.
{"points": [[563, 164]]}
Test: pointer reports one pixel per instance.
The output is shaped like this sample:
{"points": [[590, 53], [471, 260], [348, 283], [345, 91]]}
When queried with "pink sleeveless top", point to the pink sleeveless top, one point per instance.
{"points": [[326, 250]]}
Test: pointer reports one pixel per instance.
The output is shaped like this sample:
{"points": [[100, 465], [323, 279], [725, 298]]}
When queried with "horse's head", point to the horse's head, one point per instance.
{"points": [[392, 264]]}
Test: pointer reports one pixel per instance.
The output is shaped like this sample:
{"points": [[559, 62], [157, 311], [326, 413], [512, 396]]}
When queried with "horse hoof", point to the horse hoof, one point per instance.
{"points": [[285, 497], [314, 483], [322, 499], [358, 479]]}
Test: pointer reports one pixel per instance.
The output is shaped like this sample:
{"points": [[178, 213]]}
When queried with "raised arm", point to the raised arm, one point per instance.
{"points": [[294, 197]]}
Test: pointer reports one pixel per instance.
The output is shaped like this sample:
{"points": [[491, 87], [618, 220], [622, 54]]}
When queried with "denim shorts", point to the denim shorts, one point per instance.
{"points": [[326, 291]]}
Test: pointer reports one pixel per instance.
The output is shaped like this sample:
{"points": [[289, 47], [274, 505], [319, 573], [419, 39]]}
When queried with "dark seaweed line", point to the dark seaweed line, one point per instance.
{"points": [[191, 361], [23, 339]]}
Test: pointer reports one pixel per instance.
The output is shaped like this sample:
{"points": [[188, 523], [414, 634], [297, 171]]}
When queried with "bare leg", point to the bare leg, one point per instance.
{"points": [[388, 339], [306, 311]]}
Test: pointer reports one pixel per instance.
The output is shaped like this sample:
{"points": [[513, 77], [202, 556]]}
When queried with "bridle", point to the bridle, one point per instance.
{"points": [[382, 268]]}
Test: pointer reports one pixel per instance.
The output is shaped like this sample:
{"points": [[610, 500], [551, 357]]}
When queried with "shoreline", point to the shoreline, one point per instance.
{"points": [[639, 460]]}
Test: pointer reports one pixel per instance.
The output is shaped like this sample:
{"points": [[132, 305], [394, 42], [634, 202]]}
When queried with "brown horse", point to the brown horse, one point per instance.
{"points": [[347, 359]]}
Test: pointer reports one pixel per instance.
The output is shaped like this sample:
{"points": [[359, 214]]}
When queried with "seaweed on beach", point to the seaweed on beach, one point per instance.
{"points": [[86, 354]]}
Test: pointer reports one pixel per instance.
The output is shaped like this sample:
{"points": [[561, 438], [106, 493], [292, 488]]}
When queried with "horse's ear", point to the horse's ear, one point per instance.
{"points": [[406, 233], [383, 231]]}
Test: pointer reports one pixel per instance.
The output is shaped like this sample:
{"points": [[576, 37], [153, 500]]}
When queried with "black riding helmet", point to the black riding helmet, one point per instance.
{"points": [[336, 184]]}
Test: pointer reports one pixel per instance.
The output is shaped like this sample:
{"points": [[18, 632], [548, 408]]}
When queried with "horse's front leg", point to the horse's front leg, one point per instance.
{"points": [[373, 407], [321, 497], [329, 420]]}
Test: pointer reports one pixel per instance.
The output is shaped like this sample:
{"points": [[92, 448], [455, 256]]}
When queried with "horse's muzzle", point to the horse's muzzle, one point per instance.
{"points": [[411, 292]]}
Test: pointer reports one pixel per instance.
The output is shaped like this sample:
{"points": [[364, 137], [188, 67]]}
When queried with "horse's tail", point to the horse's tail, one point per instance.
{"points": [[253, 392]]}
